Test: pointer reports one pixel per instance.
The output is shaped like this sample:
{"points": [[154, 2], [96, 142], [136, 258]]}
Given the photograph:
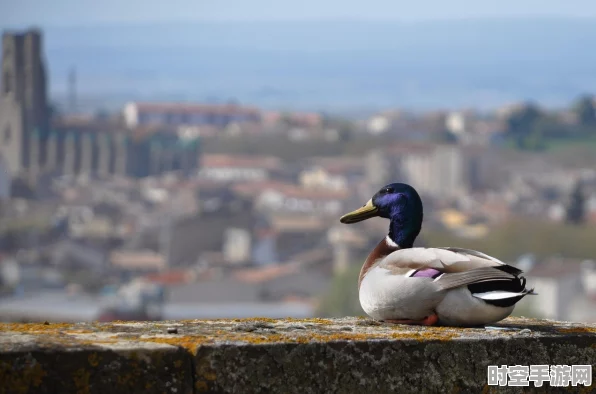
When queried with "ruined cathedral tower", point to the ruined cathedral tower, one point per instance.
{"points": [[24, 113]]}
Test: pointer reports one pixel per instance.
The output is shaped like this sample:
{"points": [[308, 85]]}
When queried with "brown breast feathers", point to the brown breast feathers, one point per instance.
{"points": [[381, 250]]}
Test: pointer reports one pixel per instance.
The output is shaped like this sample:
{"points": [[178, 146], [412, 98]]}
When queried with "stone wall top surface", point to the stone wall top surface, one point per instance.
{"points": [[285, 355]]}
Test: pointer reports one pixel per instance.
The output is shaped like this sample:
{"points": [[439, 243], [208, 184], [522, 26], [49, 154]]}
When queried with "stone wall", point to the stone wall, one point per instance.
{"points": [[351, 355]]}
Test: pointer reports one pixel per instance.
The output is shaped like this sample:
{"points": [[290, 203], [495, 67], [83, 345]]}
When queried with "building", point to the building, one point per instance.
{"points": [[561, 285], [300, 200], [33, 145], [95, 149], [23, 100], [436, 170], [223, 168], [179, 114]]}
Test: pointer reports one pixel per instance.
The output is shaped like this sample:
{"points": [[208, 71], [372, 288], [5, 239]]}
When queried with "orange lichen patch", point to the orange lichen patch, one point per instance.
{"points": [[203, 321], [204, 375], [315, 320], [577, 330], [306, 338], [489, 389], [209, 375], [580, 389], [201, 386], [343, 336], [93, 341], [24, 381], [79, 331], [429, 335], [192, 342], [35, 327], [333, 337], [94, 359], [188, 342], [81, 381], [256, 319]]}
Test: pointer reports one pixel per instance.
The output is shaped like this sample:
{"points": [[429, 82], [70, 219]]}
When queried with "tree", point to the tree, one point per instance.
{"points": [[342, 298], [445, 137], [534, 141], [585, 110], [576, 212], [54, 111], [521, 122], [526, 126]]}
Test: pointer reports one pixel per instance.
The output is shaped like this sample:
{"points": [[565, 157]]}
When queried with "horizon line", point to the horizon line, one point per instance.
{"points": [[404, 21]]}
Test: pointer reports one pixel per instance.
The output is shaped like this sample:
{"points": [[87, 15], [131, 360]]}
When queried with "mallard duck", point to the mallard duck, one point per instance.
{"points": [[403, 284]]}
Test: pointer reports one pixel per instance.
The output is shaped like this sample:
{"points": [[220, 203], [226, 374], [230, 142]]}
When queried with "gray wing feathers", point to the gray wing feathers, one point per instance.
{"points": [[458, 279], [473, 253], [443, 259]]}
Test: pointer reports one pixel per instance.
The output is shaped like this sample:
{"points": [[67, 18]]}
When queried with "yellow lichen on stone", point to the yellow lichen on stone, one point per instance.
{"points": [[490, 389], [188, 342], [192, 342], [577, 330], [204, 374], [201, 386], [224, 355], [31, 376], [429, 334], [255, 319], [30, 328], [81, 381], [94, 359], [315, 320]]}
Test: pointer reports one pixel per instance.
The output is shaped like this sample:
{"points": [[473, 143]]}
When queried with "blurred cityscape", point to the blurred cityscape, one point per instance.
{"points": [[184, 210]]}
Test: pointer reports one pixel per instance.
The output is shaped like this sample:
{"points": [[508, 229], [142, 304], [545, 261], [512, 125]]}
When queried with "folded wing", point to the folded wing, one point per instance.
{"points": [[456, 266], [443, 259]]}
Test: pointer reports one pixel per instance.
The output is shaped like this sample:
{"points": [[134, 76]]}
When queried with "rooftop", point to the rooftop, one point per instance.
{"points": [[221, 160], [221, 109]]}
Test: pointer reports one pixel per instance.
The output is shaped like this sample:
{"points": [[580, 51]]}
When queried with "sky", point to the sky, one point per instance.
{"points": [[58, 13]]}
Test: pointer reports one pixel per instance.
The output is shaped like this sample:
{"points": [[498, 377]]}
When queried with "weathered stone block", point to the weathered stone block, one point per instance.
{"points": [[286, 356]]}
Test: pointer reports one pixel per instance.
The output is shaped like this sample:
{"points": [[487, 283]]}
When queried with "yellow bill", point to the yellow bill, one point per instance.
{"points": [[366, 212]]}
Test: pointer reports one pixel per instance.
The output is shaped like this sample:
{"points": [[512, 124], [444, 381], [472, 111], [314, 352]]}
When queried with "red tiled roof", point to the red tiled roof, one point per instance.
{"points": [[86, 125], [255, 188], [256, 275], [299, 118], [555, 268], [289, 190], [222, 109], [171, 277], [137, 259], [316, 193], [338, 165], [297, 222], [219, 160], [410, 147], [208, 184]]}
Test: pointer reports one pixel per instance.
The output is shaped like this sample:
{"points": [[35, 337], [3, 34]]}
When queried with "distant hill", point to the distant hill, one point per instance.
{"points": [[333, 65]]}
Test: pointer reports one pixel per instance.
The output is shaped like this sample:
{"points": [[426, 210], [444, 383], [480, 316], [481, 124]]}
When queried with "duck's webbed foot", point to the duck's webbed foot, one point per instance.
{"points": [[427, 321]]}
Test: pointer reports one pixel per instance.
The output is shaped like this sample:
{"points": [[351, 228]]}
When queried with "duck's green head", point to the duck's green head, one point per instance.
{"points": [[393, 201], [398, 202]]}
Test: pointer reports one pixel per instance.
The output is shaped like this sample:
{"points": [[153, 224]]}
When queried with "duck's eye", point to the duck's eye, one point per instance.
{"points": [[387, 190]]}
